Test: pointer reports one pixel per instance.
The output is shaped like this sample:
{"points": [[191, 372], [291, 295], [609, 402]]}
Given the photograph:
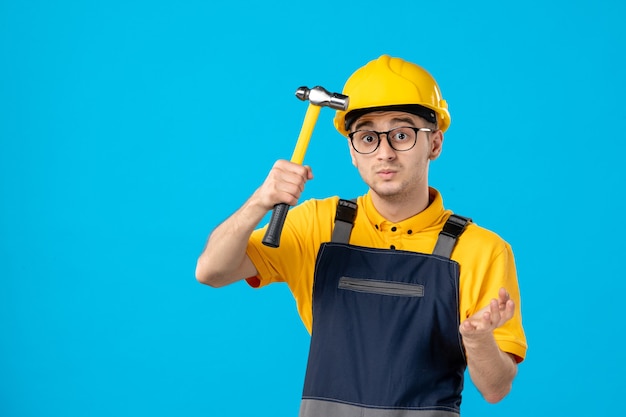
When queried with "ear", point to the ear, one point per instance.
{"points": [[436, 144]]}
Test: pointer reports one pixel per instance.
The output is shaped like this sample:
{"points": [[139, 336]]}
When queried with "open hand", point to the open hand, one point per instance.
{"points": [[489, 317]]}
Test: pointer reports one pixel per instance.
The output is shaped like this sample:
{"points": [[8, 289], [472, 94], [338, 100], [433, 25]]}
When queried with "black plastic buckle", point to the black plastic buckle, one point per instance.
{"points": [[455, 225], [346, 211]]}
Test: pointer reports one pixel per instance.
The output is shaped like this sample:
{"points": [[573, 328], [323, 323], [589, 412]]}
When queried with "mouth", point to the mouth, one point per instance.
{"points": [[386, 173]]}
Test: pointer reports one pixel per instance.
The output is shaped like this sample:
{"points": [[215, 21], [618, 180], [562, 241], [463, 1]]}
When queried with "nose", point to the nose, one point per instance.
{"points": [[385, 151]]}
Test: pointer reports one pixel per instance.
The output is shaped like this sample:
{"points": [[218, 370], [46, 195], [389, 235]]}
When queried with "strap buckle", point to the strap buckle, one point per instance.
{"points": [[346, 211], [455, 225]]}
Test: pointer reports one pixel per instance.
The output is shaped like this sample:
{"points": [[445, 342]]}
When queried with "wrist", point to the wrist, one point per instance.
{"points": [[479, 341]]}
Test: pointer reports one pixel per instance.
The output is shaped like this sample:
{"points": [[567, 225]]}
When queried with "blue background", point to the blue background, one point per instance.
{"points": [[120, 150]]}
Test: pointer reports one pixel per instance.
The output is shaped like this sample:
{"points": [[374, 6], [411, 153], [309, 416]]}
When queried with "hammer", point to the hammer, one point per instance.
{"points": [[318, 97]]}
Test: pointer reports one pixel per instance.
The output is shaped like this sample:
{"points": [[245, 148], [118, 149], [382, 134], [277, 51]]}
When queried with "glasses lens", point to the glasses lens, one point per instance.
{"points": [[365, 141], [402, 138]]}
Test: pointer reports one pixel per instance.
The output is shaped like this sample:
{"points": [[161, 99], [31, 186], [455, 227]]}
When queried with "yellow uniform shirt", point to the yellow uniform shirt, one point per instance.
{"points": [[486, 261]]}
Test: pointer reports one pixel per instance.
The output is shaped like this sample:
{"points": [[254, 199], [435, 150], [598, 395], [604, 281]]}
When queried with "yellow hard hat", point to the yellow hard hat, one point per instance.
{"points": [[390, 83]]}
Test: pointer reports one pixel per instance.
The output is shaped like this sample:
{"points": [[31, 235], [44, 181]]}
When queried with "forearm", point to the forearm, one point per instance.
{"points": [[224, 259], [491, 370]]}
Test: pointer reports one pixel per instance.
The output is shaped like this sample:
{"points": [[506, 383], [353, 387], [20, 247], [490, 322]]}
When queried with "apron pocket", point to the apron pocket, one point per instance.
{"points": [[401, 289]]}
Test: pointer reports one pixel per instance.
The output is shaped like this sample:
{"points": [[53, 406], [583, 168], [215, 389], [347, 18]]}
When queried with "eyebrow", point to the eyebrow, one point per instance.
{"points": [[369, 123]]}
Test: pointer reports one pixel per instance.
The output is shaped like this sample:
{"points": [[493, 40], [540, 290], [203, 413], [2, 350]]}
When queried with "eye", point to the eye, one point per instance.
{"points": [[402, 134], [367, 137]]}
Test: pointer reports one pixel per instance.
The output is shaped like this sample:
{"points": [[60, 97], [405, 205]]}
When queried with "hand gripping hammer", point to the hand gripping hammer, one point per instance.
{"points": [[318, 97]]}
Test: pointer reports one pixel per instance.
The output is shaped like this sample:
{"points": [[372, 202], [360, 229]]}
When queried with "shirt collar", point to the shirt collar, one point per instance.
{"points": [[431, 216]]}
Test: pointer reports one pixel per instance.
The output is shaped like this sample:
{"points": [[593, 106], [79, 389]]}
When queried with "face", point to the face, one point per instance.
{"points": [[391, 174]]}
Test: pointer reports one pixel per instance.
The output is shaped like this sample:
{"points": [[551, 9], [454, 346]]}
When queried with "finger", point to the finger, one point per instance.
{"points": [[487, 319], [494, 308], [284, 166], [292, 183], [466, 327], [509, 310], [309, 175], [503, 295], [505, 313], [287, 174], [281, 187], [298, 177]]}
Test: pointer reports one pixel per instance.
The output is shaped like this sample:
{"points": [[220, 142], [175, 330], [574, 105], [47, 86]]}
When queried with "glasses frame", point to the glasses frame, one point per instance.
{"points": [[415, 129]]}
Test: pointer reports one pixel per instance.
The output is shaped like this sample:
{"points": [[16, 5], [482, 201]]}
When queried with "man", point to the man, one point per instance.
{"points": [[399, 305]]}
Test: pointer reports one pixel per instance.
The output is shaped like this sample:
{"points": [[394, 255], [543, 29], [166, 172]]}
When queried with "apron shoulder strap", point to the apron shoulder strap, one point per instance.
{"points": [[344, 220], [452, 229], [455, 225]]}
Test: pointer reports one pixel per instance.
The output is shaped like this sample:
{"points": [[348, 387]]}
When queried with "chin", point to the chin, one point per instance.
{"points": [[388, 192]]}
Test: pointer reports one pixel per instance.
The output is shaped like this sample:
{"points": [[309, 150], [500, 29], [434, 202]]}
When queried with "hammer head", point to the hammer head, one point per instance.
{"points": [[323, 98]]}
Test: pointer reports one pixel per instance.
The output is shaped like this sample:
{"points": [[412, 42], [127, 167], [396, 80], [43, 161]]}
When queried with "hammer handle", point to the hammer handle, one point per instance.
{"points": [[310, 118], [279, 214]]}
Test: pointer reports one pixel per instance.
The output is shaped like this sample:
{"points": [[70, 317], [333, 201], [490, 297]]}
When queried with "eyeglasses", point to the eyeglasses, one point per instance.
{"points": [[400, 139]]}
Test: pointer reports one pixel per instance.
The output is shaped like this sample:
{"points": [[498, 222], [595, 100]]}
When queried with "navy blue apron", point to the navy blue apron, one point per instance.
{"points": [[385, 339]]}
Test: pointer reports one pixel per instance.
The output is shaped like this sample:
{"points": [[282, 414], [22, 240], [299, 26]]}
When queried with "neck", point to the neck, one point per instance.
{"points": [[398, 207]]}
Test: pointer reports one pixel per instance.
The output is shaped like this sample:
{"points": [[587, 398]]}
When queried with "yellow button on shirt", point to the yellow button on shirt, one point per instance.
{"points": [[486, 260]]}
